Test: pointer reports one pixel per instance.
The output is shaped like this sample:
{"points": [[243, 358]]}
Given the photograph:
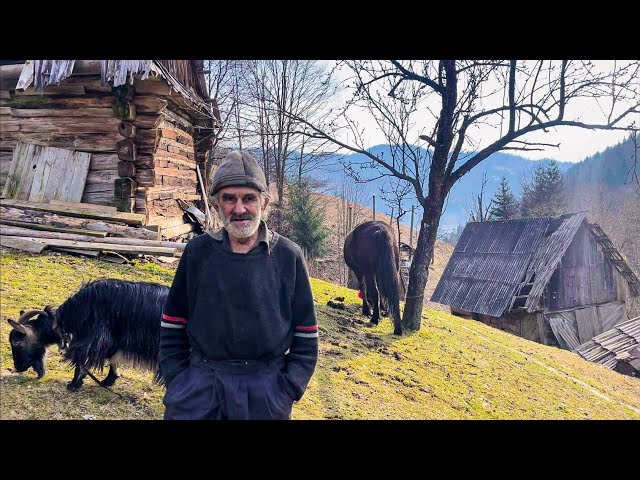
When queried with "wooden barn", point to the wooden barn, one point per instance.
{"points": [[130, 134], [558, 281]]}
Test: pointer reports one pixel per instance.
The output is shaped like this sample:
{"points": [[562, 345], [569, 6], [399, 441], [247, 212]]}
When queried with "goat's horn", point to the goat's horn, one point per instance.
{"points": [[27, 315]]}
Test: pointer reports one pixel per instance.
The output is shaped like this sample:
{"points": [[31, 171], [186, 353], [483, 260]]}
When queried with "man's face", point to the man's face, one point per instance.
{"points": [[240, 210]]}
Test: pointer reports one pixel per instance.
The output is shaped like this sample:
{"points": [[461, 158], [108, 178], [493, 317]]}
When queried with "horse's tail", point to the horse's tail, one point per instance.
{"points": [[387, 276]]}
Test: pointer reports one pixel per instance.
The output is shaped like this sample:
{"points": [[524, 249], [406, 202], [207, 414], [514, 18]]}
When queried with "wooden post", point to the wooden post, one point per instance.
{"points": [[124, 194], [350, 219], [411, 231], [391, 217], [209, 222], [374, 206]]}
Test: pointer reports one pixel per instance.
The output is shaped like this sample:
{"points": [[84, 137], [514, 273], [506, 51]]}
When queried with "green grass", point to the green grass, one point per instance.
{"points": [[451, 369]]}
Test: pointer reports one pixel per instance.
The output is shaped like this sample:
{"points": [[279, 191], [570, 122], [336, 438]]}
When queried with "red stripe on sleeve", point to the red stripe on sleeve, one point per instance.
{"points": [[174, 319], [308, 329]]}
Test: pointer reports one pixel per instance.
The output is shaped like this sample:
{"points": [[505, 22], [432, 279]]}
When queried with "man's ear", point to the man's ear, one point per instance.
{"points": [[214, 202], [266, 203]]}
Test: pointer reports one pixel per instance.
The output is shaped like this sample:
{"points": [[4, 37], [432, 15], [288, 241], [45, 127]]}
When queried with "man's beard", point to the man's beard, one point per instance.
{"points": [[238, 231]]}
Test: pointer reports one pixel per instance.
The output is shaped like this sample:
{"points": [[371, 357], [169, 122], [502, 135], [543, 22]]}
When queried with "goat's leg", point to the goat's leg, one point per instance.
{"points": [[78, 378], [113, 375]]}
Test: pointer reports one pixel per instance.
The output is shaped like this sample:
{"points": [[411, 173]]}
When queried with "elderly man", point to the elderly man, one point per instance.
{"points": [[239, 337]]}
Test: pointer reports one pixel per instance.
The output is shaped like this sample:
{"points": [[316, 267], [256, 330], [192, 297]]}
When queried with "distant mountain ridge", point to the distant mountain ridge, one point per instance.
{"points": [[611, 167], [513, 167]]}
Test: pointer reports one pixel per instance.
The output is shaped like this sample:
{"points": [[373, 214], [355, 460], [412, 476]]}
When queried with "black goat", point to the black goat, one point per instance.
{"points": [[109, 319]]}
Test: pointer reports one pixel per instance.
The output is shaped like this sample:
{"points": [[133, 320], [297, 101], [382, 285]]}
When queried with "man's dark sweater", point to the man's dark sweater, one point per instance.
{"points": [[234, 306]]}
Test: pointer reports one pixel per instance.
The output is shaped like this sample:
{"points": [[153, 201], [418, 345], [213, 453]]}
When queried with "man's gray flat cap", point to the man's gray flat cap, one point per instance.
{"points": [[239, 169]]}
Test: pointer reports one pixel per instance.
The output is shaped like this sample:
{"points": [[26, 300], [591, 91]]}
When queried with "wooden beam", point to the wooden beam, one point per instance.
{"points": [[60, 112], [53, 90], [127, 129], [26, 232], [126, 169], [102, 208], [22, 244], [44, 218], [134, 249], [127, 150], [128, 218], [51, 228], [125, 188]]}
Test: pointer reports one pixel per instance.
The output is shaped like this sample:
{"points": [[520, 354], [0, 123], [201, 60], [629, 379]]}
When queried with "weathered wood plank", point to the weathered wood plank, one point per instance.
{"points": [[149, 103], [135, 249], [102, 176], [88, 142], [86, 253], [50, 228], [128, 218], [151, 86], [172, 232], [22, 171], [45, 218], [148, 121], [103, 161], [83, 205], [22, 244], [58, 112], [60, 174], [53, 90], [25, 232], [96, 188], [63, 103]]}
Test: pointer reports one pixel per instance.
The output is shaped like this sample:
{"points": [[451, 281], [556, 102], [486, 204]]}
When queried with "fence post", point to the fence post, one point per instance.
{"points": [[411, 231], [374, 206]]}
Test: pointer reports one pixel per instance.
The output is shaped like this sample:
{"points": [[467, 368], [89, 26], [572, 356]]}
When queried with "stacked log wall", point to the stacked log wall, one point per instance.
{"points": [[77, 115], [142, 143]]}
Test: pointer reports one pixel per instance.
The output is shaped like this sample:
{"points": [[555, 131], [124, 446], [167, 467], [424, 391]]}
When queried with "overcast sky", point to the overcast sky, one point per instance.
{"points": [[575, 143]]}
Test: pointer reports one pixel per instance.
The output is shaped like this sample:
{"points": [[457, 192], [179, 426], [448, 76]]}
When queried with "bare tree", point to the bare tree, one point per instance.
{"points": [[445, 103], [300, 87], [226, 83], [395, 197], [350, 214], [480, 210]]}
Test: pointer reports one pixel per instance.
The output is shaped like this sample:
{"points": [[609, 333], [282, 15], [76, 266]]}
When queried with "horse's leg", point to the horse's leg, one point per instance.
{"points": [[363, 289], [384, 311], [372, 288]]}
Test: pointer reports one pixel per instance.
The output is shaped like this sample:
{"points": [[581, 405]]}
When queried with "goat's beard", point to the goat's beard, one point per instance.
{"points": [[238, 231]]}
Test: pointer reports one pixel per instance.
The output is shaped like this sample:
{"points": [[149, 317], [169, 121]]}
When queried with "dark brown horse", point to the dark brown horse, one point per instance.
{"points": [[371, 251]]}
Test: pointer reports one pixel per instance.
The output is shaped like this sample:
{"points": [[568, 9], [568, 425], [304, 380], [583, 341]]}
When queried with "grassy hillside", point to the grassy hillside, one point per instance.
{"points": [[452, 369]]}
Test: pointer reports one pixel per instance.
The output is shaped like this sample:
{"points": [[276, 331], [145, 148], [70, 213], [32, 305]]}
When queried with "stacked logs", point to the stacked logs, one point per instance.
{"points": [[78, 115]]}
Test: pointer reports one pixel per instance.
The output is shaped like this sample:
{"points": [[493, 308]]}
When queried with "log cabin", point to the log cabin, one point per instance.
{"points": [[145, 128]]}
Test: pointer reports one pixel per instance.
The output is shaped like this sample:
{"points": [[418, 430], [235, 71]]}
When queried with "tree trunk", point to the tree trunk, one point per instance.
{"points": [[419, 271]]}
